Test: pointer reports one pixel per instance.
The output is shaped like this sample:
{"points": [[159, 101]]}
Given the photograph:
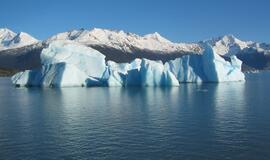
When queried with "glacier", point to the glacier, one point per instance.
{"points": [[70, 64]]}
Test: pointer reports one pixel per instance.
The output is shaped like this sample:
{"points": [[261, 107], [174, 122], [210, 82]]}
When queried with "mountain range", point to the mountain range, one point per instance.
{"points": [[20, 51], [10, 39]]}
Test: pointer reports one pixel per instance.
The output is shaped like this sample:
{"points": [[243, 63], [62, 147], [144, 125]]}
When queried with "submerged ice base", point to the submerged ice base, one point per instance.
{"points": [[67, 64]]}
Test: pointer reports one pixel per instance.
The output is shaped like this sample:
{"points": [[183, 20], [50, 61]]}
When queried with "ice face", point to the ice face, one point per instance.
{"points": [[188, 68], [217, 69], [141, 72], [52, 75], [67, 64], [154, 73], [208, 67], [84, 58], [116, 79]]}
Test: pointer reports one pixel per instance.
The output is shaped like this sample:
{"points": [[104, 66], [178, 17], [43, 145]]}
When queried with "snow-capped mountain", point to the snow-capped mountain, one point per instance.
{"points": [[230, 45], [22, 50], [125, 42], [22, 39], [10, 39], [6, 36], [255, 56]]}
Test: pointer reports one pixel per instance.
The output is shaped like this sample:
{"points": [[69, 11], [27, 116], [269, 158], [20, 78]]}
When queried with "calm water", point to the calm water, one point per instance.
{"points": [[209, 121]]}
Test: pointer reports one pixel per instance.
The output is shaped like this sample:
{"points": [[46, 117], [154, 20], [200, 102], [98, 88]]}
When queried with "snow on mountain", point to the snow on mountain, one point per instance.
{"points": [[16, 50], [125, 42], [228, 45], [6, 36], [261, 47], [255, 56], [10, 39], [129, 43], [22, 39]]}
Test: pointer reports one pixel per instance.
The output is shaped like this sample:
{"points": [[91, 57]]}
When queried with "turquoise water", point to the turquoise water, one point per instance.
{"points": [[209, 121]]}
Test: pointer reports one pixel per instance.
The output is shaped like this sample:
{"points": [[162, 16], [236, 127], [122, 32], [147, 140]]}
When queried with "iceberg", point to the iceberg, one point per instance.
{"points": [[65, 64], [52, 75], [217, 69], [69, 64], [208, 67], [84, 58]]}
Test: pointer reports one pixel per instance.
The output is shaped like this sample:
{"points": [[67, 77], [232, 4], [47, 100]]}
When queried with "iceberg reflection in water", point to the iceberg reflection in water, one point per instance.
{"points": [[207, 121]]}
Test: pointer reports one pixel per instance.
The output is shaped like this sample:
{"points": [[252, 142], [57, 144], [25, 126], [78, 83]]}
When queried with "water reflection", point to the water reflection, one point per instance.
{"points": [[206, 121]]}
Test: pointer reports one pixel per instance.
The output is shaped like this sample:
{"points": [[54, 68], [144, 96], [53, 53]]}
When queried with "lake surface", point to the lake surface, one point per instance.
{"points": [[208, 121]]}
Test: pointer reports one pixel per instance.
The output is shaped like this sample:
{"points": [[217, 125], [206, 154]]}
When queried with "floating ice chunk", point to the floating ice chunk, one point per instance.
{"points": [[217, 69], [66, 64], [69, 64], [52, 75], [86, 59], [208, 67]]}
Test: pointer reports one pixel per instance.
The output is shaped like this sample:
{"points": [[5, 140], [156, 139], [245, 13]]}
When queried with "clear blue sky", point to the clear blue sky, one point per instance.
{"points": [[177, 20]]}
